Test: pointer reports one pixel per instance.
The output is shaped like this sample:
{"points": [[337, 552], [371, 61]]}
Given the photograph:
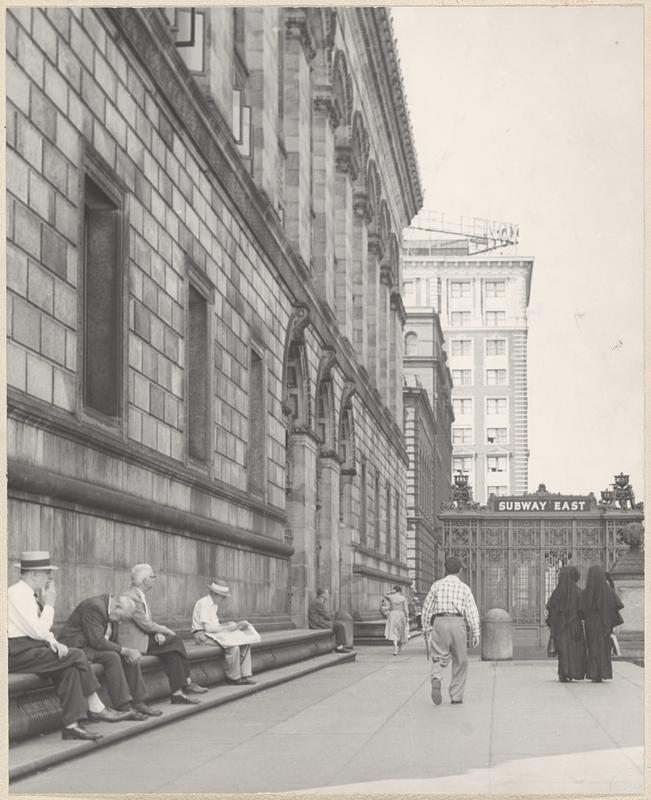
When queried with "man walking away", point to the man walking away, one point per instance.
{"points": [[318, 616], [448, 612]]}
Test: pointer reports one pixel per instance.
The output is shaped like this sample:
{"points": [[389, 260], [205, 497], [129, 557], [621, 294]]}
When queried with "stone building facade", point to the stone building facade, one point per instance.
{"points": [[482, 301], [428, 418], [203, 301]]}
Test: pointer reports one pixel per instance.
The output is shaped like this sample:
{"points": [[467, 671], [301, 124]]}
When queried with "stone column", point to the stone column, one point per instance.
{"points": [[324, 122], [299, 51], [628, 577], [385, 335], [374, 309], [361, 219], [328, 521], [343, 235], [301, 515], [398, 318]]}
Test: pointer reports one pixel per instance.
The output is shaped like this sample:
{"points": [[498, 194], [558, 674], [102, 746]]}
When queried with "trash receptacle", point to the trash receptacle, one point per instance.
{"points": [[496, 636], [347, 621]]}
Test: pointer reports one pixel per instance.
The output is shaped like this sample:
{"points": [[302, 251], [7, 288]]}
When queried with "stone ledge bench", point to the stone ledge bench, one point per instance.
{"points": [[34, 706]]}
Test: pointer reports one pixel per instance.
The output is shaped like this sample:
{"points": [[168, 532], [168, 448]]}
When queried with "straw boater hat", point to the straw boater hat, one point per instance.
{"points": [[35, 559], [219, 589]]}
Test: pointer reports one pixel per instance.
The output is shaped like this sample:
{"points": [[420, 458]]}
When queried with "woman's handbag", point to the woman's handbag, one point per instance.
{"points": [[551, 646], [385, 607]]}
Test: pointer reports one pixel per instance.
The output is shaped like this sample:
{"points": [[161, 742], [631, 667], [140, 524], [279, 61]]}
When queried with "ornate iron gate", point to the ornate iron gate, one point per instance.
{"points": [[513, 563]]}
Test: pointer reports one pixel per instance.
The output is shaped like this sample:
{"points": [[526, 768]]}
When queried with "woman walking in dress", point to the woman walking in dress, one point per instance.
{"points": [[397, 624], [564, 621], [601, 613]]}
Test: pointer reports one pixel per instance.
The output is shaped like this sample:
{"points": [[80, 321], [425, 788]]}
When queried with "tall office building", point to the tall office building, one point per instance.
{"points": [[482, 301]]}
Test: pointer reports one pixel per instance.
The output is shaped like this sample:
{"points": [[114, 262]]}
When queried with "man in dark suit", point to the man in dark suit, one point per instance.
{"points": [[147, 636], [93, 627]]}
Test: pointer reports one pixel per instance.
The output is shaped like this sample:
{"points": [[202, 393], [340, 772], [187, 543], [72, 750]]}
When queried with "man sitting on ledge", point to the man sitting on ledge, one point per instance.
{"points": [[206, 622], [147, 636], [93, 627], [33, 648], [318, 616]]}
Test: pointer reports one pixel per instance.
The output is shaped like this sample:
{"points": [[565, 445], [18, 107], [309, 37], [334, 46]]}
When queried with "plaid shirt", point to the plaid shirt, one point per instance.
{"points": [[451, 596]]}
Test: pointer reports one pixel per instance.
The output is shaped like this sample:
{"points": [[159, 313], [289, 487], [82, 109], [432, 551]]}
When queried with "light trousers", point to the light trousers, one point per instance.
{"points": [[448, 640], [238, 661]]}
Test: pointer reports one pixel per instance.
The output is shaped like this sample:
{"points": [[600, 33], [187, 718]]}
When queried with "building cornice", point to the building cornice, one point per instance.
{"points": [[380, 42], [145, 32]]}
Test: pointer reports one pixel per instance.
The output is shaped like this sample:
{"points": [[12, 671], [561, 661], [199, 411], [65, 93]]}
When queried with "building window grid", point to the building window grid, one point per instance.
{"points": [[462, 377], [496, 377], [496, 436], [461, 347], [495, 288], [459, 289], [496, 406], [462, 406], [462, 435], [460, 319], [495, 347], [495, 319], [496, 464]]}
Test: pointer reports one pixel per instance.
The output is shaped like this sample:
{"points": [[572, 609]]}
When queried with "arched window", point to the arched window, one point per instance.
{"points": [[411, 344]]}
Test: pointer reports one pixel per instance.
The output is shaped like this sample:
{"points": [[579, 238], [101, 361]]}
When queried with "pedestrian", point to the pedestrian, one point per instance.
{"points": [[565, 622], [205, 624], [93, 628], [143, 634], [601, 608], [33, 648], [396, 628], [449, 612], [320, 617], [615, 648]]}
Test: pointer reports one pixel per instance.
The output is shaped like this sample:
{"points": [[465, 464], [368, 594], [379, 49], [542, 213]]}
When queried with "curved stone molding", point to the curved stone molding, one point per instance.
{"points": [[39, 481]]}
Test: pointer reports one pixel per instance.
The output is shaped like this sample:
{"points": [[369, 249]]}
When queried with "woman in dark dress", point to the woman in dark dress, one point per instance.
{"points": [[564, 620], [601, 613]]}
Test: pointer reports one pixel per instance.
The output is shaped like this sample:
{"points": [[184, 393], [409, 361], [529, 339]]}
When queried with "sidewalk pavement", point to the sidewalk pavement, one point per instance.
{"points": [[369, 726]]}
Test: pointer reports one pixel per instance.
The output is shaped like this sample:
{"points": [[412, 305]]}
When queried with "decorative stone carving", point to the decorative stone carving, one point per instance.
{"points": [[620, 494], [346, 162], [461, 493], [296, 27], [324, 103]]}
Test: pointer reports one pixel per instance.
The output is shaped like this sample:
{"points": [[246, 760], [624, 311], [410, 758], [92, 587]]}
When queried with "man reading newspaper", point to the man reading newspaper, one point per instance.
{"points": [[234, 637]]}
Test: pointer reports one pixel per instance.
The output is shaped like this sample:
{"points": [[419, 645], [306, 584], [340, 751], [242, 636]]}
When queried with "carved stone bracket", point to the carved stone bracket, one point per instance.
{"points": [[327, 362], [398, 305], [331, 454], [386, 275], [349, 391], [300, 321], [346, 161], [375, 245], [324, 102], [296, 27], [362, 207]]}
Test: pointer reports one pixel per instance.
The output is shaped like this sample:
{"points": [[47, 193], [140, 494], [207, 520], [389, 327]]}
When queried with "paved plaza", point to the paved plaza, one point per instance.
{"points": [[369, 726]]}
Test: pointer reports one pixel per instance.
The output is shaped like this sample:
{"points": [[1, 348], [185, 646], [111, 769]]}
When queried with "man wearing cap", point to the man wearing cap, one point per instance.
{"points": [[93, 627], [143, 634], [449, 611], [33, 648], [318, 616], [205, 622]]}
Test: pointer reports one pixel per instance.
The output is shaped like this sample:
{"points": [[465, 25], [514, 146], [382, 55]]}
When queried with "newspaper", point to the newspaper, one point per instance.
{"points": [[248, 635]]}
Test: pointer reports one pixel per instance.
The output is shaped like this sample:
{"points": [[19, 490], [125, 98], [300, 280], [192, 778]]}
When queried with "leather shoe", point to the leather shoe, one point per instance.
{"points": [[436, 691], [79, 732], [148, 711], [194, 688], [456, 702], [246, 681], [233, 681], [133, 714], [108, 715], [182, 700]]}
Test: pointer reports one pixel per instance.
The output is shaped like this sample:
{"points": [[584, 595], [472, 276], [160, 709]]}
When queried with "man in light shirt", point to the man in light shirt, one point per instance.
{"points": [[143, 634], [449, 611], [205, 622], [33, 648]]}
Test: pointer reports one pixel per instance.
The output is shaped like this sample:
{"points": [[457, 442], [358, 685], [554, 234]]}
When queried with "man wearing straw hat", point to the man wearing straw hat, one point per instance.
{"points": [[33, 648], [206, 625]]}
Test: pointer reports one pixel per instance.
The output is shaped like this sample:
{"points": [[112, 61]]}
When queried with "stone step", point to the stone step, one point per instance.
{"points": [[34, 707], [37, 754]]}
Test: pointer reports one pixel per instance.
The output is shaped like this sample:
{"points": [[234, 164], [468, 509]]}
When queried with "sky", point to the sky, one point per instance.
{"points": [[534, 115]]}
